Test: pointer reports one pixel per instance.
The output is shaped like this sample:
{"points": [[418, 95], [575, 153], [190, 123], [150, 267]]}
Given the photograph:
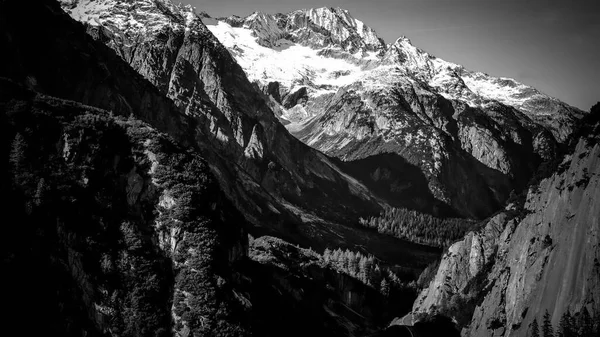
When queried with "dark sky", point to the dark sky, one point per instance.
{"points": [[551, 45]]}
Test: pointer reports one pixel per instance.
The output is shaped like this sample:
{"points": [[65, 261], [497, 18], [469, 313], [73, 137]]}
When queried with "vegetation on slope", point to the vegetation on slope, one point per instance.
{"points": [[418, 227], [94, 201]]}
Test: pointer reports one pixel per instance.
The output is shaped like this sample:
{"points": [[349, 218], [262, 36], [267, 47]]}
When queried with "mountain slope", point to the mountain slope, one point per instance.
{"points": [[542, 255], [196, 291], [179, 56], [288, 189], [283, 187], [120, 223], [341, 90]]}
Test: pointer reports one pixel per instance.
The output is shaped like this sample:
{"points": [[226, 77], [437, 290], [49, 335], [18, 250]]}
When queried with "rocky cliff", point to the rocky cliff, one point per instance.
{"points": [[540, 255]]}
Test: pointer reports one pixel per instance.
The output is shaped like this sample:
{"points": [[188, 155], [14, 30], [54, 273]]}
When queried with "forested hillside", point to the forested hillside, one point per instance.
{"points": [[116, 222], [419, 227]]}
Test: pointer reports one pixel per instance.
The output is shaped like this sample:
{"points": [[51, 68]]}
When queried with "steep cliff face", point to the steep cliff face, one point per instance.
{"points": [[129, 232], [526, 260], [361, 98]]}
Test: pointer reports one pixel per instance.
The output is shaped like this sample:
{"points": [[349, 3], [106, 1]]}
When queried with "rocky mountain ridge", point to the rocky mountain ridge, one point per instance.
{"points": [[396, 98], [251, 153], [315, 27], [338, 30], [128, 167]]}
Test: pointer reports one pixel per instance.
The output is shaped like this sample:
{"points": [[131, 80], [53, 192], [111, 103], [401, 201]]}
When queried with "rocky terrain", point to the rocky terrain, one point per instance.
{"points": [[281, 186], [342, 90], [143, 141], [121, 272], [540, 254]]}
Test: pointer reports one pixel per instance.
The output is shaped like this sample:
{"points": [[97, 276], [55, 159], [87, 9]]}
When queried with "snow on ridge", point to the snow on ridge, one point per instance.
{"points": [[338, 22], [132, 18], [290, 64], [277, 58]]}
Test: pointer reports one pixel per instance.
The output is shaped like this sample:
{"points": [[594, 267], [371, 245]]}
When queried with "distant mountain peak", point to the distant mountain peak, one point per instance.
{"points": [[332, 27], [140, 18]]}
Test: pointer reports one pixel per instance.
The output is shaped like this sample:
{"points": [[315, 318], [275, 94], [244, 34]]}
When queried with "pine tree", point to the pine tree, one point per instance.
{"points": [[363, 273], [573, 324], [336, 259], [353, 263], [384, 287], [547, 330], [40, 191], [376, 275], [344, 260], [587, 326], [535, 330], [17, 152], [564, 326], [327, 256], [597, 319], [17, 159]]}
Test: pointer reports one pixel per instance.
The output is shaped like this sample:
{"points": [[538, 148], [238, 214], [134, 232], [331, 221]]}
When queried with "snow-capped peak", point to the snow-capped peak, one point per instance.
{"points": [[316, 27], [136, 18], [322, 49], [344, 29]]}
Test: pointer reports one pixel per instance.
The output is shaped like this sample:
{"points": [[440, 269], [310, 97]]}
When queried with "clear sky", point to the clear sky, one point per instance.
{"points": [[551, 45]]}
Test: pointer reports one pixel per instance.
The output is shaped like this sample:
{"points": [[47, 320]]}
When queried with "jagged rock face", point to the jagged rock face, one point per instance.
{"points": [[397, 98], [316, 27], [460, 264], [523, 263]]}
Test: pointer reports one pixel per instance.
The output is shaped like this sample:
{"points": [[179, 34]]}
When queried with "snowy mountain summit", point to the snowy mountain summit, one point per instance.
{"points": [[317, 28], [325, 49], [470, 138]]}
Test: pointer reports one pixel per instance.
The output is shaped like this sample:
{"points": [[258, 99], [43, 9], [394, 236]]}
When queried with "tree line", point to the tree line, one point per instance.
{"points": [[578, 325], [366, 269], [418, 227]]}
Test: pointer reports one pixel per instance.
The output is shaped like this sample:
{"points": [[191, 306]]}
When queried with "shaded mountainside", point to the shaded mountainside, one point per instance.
{"points": [[304, 293], [142, 232], [338, 88], [281, 185], [175, 52], [127, 232], [541, 254]]}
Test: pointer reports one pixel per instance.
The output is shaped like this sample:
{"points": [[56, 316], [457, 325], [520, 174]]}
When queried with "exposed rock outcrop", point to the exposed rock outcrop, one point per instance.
{"points": [[528, 259]]}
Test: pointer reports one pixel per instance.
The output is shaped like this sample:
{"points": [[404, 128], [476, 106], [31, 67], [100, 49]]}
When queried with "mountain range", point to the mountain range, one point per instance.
{"points": [[146, 140], [340, 89]]}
